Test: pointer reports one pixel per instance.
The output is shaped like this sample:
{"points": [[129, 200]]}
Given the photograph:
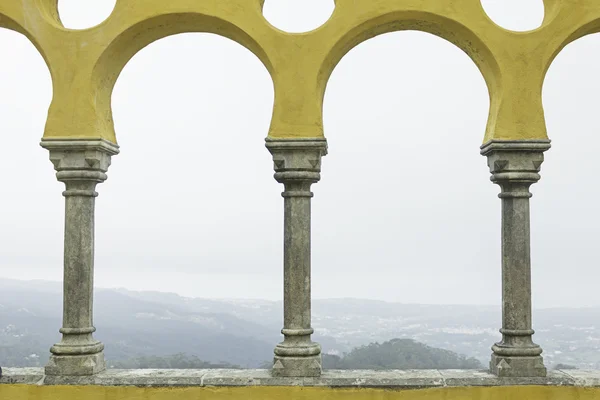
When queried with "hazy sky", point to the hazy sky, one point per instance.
{"points": [[404, 212]]}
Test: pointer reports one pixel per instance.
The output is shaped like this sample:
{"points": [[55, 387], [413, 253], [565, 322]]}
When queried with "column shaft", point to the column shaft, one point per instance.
{"points": [[296, 264], [81, 165], [516, 266], [78, 256], [297, 166], [514, 166]]}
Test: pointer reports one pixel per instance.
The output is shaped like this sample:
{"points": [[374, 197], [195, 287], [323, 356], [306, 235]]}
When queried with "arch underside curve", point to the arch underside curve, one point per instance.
{"points": [[439, 26], [590, 28], [116, 56], [444, 28], [12, 25]]}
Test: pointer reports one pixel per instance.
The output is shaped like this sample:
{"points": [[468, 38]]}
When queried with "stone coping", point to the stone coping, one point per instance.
{"points": [[398, 379]]}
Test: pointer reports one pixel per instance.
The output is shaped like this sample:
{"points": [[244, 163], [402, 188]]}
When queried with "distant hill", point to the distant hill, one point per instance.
{"points": [[393, 354], [400, 354], [129, 327], [243, 333]]}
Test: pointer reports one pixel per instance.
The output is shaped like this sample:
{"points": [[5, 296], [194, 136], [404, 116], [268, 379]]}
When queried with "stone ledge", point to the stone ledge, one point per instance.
{"points": [[396, 379]]}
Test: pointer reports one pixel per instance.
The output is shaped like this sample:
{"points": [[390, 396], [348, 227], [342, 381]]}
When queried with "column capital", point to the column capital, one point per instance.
{"points": [[297, 160], [80, 159], [515, 161]]}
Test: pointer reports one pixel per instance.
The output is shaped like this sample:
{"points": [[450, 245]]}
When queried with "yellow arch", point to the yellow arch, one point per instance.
{"points": [[90, 66], [509, 61], [448, 29], [113, 60]]}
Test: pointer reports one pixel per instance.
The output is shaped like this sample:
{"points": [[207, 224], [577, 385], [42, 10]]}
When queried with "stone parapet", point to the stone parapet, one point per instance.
{"points": [[391, 379]]}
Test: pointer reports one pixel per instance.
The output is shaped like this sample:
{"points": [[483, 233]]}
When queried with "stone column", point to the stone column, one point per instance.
{"points": [[297, 166], [515, 166], [81, 165]]}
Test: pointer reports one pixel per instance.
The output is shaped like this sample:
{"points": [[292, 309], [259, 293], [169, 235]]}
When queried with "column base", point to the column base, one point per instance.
{"points": [[517, 367], [297, 366], [76, 365]]}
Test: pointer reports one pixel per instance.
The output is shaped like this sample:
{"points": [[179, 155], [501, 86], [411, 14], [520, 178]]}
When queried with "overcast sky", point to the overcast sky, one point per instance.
{"points": [[404, 212]]}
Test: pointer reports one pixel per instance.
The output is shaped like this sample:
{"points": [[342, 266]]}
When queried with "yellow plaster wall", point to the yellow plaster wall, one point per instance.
{"points": [[31, 392], [85, 64]]}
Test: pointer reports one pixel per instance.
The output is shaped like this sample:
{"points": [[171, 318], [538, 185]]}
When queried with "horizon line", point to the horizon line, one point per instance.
{"points": [[281, 300]]}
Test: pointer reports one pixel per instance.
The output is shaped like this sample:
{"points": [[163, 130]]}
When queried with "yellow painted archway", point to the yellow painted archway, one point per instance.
{"points": [[85, 64]]}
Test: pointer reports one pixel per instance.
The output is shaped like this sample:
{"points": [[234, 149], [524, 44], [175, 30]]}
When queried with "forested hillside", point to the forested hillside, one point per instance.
{"points": [[400, 354]]}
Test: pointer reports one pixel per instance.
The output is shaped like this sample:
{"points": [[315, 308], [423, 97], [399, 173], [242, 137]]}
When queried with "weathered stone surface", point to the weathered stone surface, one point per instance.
{"points": [[515, 365], [256, 377], [80, 165], [515, 166], [30, 376], [139, 377], [394, 379], [384, 379], [297, 165], [297, 366], [485, 378], [584, 377], [74, 365]]}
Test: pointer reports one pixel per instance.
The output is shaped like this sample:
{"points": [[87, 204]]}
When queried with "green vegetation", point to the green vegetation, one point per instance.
{"points": [[399, 354]]}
